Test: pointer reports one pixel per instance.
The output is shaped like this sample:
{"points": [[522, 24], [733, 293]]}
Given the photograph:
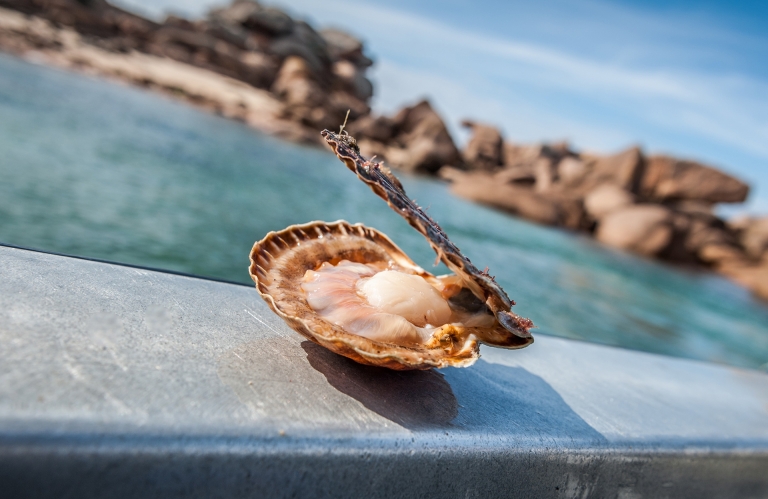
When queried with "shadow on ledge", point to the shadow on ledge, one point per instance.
{"points": [[496, 399], [412, 399], [487, 399]]}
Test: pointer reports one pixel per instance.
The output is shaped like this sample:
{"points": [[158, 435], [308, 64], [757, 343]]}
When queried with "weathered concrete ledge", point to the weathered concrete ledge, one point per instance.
{"points": [[123, 382]]}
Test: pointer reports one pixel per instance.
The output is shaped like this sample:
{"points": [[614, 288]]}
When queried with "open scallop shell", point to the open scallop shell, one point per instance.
{"points": [[280, 261]]}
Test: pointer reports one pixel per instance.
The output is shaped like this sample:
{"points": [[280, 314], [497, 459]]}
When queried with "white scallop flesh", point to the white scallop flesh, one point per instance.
{"points": [[382, 305], [406, 295]]}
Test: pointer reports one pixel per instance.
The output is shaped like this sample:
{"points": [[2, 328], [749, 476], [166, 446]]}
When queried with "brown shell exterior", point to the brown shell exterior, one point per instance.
{"points": [[280, 260]]}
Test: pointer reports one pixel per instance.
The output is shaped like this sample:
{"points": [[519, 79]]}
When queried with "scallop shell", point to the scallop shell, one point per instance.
{"points": [[280, 260]]}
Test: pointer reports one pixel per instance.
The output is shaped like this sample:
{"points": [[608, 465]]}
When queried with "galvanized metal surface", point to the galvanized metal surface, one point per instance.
{"points": [[123, 382]]}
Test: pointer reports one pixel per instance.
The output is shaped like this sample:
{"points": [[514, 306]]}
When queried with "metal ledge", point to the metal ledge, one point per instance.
{"points": [[124, 382]]}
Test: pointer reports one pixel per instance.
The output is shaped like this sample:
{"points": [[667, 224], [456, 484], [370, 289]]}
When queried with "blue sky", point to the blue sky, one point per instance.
{"points": [[678, 77]]}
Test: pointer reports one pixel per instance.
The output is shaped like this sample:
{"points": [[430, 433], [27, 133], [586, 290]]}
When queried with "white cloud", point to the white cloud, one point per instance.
{"points": [[455, 101], [731, 109], [600, 75]]}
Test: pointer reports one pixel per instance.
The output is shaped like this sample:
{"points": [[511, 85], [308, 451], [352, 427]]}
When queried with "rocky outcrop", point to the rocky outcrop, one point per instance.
{"points": [[606, 199], [654, 206], [521, 201], [316, 76], [296, 80], [752, 234], [415, 139], [645, 229], [748, 265], [667, 179], [485, 149]]}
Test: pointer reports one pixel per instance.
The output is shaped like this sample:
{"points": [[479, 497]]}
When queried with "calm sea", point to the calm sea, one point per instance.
{"points": [[97, 169]]}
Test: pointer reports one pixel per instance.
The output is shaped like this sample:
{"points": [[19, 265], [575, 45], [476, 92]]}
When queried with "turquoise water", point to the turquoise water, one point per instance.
{"points": [[97, 169]]}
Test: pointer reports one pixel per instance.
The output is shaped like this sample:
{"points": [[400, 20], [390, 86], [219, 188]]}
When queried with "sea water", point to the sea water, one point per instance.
{"points": [[98, 169]]}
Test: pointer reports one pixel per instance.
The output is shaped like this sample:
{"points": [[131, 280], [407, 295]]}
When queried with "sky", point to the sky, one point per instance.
{"points": [[676, 77]]}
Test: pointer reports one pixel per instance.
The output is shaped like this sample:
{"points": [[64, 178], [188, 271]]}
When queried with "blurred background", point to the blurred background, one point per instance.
{"points": [[607, 161]]}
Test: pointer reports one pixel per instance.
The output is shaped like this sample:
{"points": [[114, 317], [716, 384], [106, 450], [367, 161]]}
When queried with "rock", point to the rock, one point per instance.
{"points": [[715, 253], [201, 49], [415, 139], [375, 128], [710, 242], [231, 33], [179, 22], [645, 229], [623, 169], [484, 149], [258, 69], [522, 176], [483, 187], [306, 43], [295, 84], [307, 102], [754, 237], [269, 20], [543, 170], [421, 141], [696, 209], [353, 79], [520, 155], [543, 160], [739, 223], [191, 40], [701, 233], [338, 103], [667, 178], [236, 13], [423, 129], [606, 199], [570, 170], [451, 174], [342, 45]]}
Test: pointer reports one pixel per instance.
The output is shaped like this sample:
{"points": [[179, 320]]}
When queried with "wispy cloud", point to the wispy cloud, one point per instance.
{"points": [[457, 100], [731, 108], [602, 75]]}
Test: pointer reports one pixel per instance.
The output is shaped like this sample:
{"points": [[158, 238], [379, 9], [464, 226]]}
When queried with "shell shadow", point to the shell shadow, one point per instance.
{"points": [[412, 399], [512, 401], [485, 399]]}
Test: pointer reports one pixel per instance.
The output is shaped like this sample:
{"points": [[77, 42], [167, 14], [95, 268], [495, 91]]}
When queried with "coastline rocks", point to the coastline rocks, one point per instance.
{"points": [[343, 46], [570, 169], [236, 13], [415, 139], [269, 20], [353, 80], [486, 188], [623, 169], [484, 150], [307, 102], [605, 199], [318, 77], [753, 236], [645, 229], [667, 178], [296, 86], [657, 207], [305, 42]]}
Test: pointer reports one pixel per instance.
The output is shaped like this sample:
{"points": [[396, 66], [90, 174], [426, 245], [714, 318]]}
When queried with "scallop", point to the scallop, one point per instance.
{"points": [[350, 289]]}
